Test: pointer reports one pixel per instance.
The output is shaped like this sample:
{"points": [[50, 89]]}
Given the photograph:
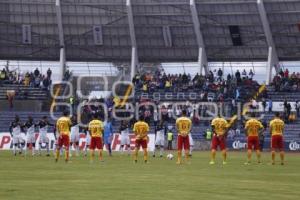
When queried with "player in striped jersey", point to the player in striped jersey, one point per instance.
{"points": [[43, 129], [15, 132], [160, 139], [30, 134]]}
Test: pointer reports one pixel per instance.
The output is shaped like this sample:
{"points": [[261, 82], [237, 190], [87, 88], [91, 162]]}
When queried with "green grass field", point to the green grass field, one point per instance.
{"points": [[119, 178]]}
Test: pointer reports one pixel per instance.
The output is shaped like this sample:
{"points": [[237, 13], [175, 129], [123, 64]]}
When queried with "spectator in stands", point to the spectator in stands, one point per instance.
{"points": [[220, 74], [286, 73], [262, 136], [36, 72], [244, 74], [238, 76], [251, 74], [46, 83], [281, 73], [2, 76], [270, 105], [237, 94], [264, 104], [254, 104], [297, 107], [67, 75], [10, 94], [229, 77], [49, 73], [27, 79]]}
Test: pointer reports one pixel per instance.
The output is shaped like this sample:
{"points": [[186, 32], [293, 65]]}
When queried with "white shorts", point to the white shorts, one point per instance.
{"points": [[159, 141], [125, 140], [74, 137], [191, 140], [44, 138], [18, 139], [30, 138], [88, 140]]}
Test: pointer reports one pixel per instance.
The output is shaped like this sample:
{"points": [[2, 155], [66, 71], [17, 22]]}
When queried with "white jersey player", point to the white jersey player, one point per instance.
{"points": [[87, 142], [160, 139], [18, 140], [74, 142], [191, 144], [43, 130], [125, 139], [30, 134]]}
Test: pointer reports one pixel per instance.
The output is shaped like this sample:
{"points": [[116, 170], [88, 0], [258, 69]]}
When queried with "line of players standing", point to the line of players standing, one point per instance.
{"points": [[219, 125], [17, 129]]}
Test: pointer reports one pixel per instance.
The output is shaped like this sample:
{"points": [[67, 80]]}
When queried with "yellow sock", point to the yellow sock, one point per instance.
{"points": [[224, 154], [135, 154], [249, 155], [145, 155], [258, 156], [213, 155], [282, 156], [179, 156], [100, 155], [57, 154], [273, 156], [67, 155], [187, 156], [92, 155]]}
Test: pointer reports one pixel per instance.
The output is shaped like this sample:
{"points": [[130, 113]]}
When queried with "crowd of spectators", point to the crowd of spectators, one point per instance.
{"points": [[286, 82], [212, 87], [31, 79]]}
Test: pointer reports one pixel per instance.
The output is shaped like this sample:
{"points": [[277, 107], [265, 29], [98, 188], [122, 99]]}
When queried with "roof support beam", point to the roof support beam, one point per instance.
{"points": [[202, 59], [62, 53], [134, 51], [270, 65], [273, 60]]}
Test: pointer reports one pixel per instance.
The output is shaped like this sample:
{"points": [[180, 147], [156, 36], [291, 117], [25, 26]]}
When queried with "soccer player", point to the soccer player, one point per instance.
{"points": [[184, 125], [125, 140], [160, 139], [141, 129], [43, 129], [15, 132], [74, 142], [87, 141], [96, 132], [219, 127], [191, 140], [276, 130], [63, 125], [30, 133], [107, 135], [253, 127]]}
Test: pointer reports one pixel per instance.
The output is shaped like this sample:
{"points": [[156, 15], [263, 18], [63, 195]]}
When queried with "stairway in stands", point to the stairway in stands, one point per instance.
{"points": [[281, 96], [32, 93], [7, 117]]}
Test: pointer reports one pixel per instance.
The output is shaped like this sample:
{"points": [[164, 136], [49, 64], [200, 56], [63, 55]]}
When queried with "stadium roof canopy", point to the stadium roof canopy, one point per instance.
{"points": [[162, 30]]}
